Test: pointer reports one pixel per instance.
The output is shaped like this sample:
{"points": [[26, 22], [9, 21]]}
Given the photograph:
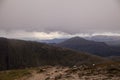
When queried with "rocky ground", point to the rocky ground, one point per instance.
{"points": [[74, 73]]}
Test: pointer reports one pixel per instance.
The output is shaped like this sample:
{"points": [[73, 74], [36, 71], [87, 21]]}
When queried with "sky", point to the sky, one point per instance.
{"points": [[47, 19]]}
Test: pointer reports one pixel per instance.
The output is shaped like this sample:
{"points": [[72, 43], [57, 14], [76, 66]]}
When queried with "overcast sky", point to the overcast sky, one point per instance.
{"points": [[53, 18]]}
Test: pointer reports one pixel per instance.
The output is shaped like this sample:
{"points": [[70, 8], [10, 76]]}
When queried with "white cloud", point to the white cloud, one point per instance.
{"points": [[19, 34], [106, 34], [51, 35]]}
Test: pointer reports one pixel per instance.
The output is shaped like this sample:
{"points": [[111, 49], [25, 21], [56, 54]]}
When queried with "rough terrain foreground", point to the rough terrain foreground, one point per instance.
{"points": [[74, 73]]}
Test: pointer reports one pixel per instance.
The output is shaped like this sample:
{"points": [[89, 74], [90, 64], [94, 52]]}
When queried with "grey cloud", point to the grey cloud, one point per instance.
{"points": [[69, 16]]}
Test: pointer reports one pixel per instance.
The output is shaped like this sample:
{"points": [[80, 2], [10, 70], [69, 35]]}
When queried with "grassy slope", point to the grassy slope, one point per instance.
{"points": [[14, 74]]}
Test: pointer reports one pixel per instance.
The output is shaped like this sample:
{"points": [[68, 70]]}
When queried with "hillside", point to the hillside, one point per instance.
{"points": [[96, 48], [16, 54], [115, 58]]}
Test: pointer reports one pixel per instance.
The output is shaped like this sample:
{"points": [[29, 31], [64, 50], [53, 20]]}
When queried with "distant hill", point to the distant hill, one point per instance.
{"points": [[110, 40], [20, 54], [96, 48], [52, 41]]}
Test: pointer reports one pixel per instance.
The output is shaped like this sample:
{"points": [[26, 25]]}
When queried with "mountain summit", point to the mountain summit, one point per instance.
{"points": [[93, 47]]}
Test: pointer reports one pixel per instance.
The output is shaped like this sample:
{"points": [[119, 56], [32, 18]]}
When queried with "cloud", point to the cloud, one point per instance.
{"points": [[106, 34], [69, 16], [25, 35]]}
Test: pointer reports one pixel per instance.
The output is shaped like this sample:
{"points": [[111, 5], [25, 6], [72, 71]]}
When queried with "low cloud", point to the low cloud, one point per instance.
{"points": [[25, 35]]}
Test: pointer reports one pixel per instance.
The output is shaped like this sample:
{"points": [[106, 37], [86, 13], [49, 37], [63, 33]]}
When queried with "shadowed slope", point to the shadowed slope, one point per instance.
{"points": [[20, 54]]}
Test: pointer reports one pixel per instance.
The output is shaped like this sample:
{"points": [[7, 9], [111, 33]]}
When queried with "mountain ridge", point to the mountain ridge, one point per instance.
{"points": [[93, 47]]}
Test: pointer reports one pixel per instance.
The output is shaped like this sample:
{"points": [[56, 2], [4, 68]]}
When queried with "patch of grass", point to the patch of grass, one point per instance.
{"points": [[14, 74]]}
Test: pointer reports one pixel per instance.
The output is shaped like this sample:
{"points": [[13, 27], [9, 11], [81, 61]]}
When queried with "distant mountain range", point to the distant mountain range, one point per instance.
{"points": [[16, 54], [93, 47], [52, 40], [109, 40]]}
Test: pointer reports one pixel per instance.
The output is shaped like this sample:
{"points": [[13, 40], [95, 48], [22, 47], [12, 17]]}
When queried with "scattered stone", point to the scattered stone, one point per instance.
{"points": [[41, 70], [58, 76], [47, 78]]}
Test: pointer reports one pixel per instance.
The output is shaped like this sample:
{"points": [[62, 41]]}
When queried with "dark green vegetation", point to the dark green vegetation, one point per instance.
{"points": [[15, 54], [96, 48], [14, 74]]}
